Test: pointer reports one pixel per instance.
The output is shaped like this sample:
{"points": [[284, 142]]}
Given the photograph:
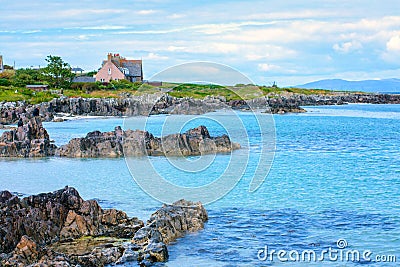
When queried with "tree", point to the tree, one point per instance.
{"points": [[57, 73], [23, 77], [91, 73]]}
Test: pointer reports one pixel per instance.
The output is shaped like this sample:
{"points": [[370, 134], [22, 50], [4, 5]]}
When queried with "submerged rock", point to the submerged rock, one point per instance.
{"points": [[62, 229], [28, 140], [118, 143]]}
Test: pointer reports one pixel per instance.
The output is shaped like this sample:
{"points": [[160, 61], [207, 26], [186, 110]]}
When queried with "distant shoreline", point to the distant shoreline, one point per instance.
{"points": [[163, 103]]}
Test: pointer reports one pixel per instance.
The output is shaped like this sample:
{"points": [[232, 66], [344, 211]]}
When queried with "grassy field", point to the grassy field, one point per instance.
{"points": [[13, 94], [199, 91], [237, 92]]}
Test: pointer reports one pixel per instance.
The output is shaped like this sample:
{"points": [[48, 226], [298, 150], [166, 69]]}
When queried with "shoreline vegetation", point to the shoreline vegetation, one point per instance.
{"points": [[122, 89], [190, 99], [62, 229], [59, 93]]}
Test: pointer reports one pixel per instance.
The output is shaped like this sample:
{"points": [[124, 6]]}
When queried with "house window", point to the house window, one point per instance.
{"points": [[102, 80], [109, 71], [115, 79]]}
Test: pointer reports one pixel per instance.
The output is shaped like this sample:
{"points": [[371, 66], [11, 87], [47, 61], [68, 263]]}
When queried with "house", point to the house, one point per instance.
{"points": [[1, 64], [119, 68], [77, 70], [38, 87]]}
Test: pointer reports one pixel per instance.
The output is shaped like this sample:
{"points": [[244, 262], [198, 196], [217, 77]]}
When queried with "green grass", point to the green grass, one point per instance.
{"points": [[199, 91], [237, 92], [13, 94]]}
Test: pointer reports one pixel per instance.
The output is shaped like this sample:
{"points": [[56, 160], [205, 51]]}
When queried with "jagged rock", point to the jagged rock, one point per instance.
{"points": [[29, 140], [62, 229], [140, 143], [61, 215], [165, 226], [165, 104], [172, 221]]}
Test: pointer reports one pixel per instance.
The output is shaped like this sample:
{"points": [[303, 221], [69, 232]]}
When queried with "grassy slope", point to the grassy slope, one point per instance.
{"points": [[184, 90], [12, 94], [236, 92]]}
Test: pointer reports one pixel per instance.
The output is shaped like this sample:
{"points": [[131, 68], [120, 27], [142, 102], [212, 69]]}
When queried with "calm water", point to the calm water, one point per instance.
{"points": [[336, 175]]}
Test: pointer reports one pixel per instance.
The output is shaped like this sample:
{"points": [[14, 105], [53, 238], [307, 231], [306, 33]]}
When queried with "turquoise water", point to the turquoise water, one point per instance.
{"points": [[336, 175]]}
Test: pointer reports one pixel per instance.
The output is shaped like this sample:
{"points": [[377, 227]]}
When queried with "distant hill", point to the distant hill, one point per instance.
{"points": [[382, 86]]}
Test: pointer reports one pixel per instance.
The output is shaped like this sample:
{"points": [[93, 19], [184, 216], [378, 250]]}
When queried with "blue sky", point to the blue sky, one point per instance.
{"points": [[291, 42]]}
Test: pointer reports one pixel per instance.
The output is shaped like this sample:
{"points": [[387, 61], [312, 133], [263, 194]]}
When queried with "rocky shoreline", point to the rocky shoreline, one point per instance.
{"points": [[120, 143], [62, 229], [165, 104], [32, 140]]}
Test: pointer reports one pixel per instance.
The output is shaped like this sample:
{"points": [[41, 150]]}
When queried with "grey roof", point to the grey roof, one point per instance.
{"points": [[135, 69], [36, 86], [76, 69], [83, 79]]}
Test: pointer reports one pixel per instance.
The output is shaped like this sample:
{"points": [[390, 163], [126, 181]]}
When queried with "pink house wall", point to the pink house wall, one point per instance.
{"points": [[109, 72]]}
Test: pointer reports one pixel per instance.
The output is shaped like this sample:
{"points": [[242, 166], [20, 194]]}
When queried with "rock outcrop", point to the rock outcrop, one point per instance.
{"points": [[141, 143], [165, 104], [62, 229], [29, 140]]}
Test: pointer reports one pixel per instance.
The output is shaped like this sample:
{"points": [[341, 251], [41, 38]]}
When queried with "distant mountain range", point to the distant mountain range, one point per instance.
{"points": [[382, 86]]}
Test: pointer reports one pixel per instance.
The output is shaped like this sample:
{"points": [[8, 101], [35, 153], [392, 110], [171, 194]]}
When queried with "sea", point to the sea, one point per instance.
{"points": [[331, 195]]}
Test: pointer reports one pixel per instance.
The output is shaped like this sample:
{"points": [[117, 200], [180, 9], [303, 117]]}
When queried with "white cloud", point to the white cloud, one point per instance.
{"points": [[146, 12], [393, 44], [392, 52], [154, 56], [267, 52], [272, 68], [347, 47], [268, 67], [290, 15], [104, 27], [209, 48], [219, 28], [86, 11], [173, 48], [251, 36], [176, 16]]}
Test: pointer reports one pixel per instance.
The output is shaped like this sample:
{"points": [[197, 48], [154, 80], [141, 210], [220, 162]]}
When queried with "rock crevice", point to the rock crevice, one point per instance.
{"points": [[118, 143], [62, 229]]}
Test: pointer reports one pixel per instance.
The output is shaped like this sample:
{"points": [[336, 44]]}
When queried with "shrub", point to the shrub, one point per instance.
{"points": [[77, 86], [88, 87], [4, 82]]}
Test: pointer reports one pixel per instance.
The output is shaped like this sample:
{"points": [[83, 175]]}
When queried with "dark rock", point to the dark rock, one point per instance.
{"points": [[140, 143], [62, 229], [165, 226], [29, 140], [165, 104], [61, 215]]}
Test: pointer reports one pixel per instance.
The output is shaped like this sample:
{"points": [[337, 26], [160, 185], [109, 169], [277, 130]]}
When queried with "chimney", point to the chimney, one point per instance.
{"points": [[109, 56], [1, 63]]}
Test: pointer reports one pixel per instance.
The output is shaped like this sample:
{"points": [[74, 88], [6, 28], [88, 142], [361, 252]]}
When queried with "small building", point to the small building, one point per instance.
{"points": [[84, 79], [38, 87], [1, 64], [77, 70], [119, 68]]}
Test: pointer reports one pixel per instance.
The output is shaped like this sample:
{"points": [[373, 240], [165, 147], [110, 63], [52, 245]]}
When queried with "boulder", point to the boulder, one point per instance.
{"points": [[119, 143], [62, 229], [28, 140], [59, 216]]}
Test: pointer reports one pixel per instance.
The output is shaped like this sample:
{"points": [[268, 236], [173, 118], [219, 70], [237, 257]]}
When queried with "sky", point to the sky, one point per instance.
{"points": [[289, 42]]}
